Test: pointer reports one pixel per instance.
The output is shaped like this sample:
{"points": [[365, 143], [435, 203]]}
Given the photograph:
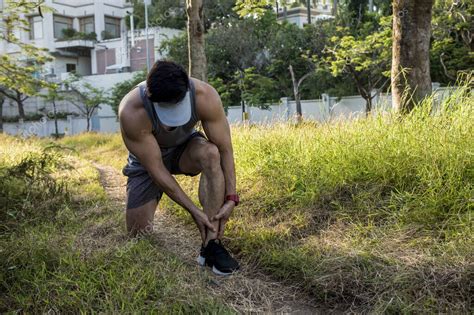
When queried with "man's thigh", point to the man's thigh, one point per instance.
{"points": [[190, 160]]}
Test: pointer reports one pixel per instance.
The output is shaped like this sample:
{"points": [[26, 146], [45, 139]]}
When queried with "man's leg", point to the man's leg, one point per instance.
{"points": [[140, 219], [203, 156]]}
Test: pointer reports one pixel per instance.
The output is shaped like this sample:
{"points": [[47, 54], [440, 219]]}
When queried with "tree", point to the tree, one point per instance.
{"points": [[296, 90], [196, 47], [164, 13], [172, 13], [366, 59], [411, 80], [452, 40], [121, 89], [253, 7], [85, 97], [20, 73], [54, 95], [18, 97]]}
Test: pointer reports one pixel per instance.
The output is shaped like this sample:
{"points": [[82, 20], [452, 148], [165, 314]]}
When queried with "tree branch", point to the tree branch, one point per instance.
{"points": [[445, 69]]}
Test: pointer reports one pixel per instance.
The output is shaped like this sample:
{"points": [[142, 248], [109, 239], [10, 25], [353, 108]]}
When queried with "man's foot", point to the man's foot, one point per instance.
{"points": [[218, 258]]}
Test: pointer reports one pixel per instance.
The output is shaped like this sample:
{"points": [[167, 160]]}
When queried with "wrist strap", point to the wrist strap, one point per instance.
{"points": [[234, 198]]}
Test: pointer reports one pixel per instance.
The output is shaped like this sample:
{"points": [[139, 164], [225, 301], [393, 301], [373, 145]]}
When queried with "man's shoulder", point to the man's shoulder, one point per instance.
{"points": [[131, 111], [207, 99]]}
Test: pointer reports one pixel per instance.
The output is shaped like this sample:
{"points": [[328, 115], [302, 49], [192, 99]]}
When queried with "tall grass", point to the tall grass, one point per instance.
{"points": [[64, 248], [371, 215], [374, 214]]}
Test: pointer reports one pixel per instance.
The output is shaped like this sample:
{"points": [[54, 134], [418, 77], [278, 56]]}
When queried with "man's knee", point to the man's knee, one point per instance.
{"points": [[210, 157], [140, 220]]}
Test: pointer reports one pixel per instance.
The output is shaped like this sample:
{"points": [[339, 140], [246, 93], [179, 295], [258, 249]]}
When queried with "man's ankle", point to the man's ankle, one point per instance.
{"points": [[208, 240]]}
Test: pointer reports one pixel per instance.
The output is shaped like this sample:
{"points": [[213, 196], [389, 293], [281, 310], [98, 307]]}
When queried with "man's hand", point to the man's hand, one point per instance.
{"points": [[202, 222], [223, 216]]}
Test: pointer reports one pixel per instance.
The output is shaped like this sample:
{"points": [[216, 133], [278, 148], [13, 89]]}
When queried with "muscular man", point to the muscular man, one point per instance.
{"points": [[157, 120]]}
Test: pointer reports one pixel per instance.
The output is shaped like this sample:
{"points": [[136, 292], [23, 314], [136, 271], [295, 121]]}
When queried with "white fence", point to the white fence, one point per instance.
{"points": [[325, 109]]}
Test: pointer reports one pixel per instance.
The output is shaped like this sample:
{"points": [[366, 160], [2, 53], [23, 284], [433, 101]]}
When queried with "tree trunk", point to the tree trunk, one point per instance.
{"points": [[88, 128], [21, 107], [56, 129], [334, 7], [411, 81], [296, 93], [368, 105], [196, 45], [2, 100]]}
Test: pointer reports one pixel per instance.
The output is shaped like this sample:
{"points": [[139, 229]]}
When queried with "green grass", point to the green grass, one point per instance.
{"points": [[64, 248], [373, 215]]}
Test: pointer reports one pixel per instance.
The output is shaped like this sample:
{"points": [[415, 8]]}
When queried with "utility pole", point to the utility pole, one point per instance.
{"points": [[147, 2]]}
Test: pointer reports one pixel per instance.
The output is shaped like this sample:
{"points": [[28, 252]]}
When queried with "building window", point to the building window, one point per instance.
{"points": [[87, 25], [61, 23], [112, 28], [70, 67], [36, 27]]}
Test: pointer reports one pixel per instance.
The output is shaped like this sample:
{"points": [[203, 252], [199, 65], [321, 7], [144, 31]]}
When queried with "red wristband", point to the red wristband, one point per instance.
{"points": [[234, 198]]}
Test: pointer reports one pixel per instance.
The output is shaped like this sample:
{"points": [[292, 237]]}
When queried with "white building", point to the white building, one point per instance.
{"points": [[296, 12], [89, 37], [73, 32]]}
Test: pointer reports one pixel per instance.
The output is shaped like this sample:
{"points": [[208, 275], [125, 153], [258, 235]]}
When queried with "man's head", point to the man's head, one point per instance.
{"points": [[167, 82]]}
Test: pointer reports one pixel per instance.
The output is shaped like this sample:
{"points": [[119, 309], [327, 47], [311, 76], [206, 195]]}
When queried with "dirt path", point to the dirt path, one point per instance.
{"points": [[247, 291]]}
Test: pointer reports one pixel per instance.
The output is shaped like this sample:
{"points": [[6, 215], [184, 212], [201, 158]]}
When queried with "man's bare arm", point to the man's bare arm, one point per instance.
{"points": [[217, 129]]}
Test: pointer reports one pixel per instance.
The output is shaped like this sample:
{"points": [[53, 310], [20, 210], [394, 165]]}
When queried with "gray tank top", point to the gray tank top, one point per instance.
{"points": [[177, 135], [166, 138]]}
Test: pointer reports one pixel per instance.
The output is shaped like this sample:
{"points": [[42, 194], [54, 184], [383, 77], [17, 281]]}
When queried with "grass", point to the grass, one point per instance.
{"points": [[64, 248], [373, 215]]}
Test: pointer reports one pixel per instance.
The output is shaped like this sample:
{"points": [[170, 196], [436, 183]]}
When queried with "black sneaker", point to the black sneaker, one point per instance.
{"points": [[218, 258]]}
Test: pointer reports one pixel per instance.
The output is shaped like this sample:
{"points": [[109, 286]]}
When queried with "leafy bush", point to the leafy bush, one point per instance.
{"points": [[28, 192], [121, 89], [72, 34]]}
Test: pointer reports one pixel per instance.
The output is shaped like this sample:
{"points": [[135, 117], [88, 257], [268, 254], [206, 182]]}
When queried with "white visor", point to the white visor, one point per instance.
{"points": [[175, 114]]}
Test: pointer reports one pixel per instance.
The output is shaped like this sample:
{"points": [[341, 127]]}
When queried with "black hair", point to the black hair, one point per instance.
{"points": [[167, 81]]}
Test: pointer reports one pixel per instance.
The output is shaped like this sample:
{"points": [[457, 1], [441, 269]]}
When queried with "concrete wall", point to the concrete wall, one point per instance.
{"points": [[70, 126]]}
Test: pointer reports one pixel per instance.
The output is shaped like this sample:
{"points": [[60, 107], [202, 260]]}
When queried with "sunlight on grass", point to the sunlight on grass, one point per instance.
{"points": [[64, 247], [375, 214]]}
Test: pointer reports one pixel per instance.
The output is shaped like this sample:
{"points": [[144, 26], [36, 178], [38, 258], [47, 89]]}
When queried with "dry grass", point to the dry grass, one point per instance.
{"points": [[372, 216]]}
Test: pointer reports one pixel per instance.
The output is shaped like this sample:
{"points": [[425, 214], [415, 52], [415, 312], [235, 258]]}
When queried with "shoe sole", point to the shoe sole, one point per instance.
{"points": [[202, 262]]}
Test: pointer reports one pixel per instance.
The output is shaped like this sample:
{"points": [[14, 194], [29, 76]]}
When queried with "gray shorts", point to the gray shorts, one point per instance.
{"points": [[140, 186]]}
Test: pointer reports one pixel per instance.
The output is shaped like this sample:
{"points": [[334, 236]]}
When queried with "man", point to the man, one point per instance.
{"points": [[157, 120]]}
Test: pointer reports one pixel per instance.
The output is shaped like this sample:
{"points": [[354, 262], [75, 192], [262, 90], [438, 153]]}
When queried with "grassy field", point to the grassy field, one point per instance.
{"points": [[374, 215], [64, 248]]}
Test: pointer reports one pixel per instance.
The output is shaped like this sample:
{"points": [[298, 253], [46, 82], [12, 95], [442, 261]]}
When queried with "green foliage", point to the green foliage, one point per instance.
{"points": [[172, 13], [452, 46], [85, 97], [72, 34], [266, 47], [176, 49], [64, 248], [365, 58], [252, 7], [15, 74], [27, 182], [368, 216], [257, 89], [121, 89]]}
